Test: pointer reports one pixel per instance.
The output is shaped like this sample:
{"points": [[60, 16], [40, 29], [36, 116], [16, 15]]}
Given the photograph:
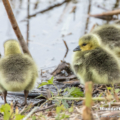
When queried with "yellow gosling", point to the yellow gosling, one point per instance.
{"points": [[18, 71]]}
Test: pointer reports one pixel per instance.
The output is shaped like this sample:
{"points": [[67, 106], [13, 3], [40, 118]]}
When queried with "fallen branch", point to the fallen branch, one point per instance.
{"points": [[15, 26], [110, 13], [62, 66], [49, 8]]}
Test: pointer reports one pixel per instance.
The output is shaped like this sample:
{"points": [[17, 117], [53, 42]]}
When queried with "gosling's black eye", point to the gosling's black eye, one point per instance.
{"points": [[84, 44]]}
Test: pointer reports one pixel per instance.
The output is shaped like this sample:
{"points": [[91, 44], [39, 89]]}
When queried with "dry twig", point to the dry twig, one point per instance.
{"points": [[87, 22], [67, 49], [28, 23], [86, 110], [49, 8], [15, 26]]}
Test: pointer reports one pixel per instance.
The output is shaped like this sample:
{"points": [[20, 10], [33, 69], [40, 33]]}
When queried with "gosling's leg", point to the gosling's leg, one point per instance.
{"points": [[25, 94], [4, 95]]}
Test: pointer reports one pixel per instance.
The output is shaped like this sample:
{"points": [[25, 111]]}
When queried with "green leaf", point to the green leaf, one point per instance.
{"points": [[6, 110], [49, 82], [58, 109], [109, 88], [19, 117], [75, 92]]}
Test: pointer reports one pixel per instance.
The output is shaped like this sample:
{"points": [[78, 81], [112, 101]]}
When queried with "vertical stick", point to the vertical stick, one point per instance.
{"points": [[28, 23], [87, 22], [88, 94], [86, 111], [15, 26]]}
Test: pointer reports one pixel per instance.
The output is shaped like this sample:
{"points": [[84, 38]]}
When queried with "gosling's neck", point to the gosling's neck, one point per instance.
{"points": [[11, 48]]}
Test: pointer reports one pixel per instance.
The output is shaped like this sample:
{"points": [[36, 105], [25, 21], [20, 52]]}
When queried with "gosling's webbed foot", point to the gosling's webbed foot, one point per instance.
{"points": [[4, 95], [26, 94]]}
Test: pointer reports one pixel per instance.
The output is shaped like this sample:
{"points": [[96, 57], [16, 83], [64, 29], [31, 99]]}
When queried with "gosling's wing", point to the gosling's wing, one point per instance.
{"points": [[78, 59], [104, 64]]}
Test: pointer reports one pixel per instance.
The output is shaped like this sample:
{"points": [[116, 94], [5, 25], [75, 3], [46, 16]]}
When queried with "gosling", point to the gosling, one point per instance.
{"points": [[96, 63], [109, 35], [18, 72]]}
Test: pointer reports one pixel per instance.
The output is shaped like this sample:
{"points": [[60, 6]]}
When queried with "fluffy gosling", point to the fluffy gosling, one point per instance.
{"points": [[91, 62], [18, 71]]}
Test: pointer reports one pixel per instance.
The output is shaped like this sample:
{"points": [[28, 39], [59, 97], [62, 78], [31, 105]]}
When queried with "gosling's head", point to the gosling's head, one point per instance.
{"points": [[12, 47], [87, 42]]}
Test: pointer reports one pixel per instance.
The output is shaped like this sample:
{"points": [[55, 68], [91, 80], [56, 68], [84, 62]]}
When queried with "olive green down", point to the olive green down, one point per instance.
{"points": [[18, 71]]}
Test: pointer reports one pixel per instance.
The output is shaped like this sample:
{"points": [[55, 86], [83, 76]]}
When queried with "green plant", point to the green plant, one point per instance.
{"points": [[8, 114], [62, 104]]}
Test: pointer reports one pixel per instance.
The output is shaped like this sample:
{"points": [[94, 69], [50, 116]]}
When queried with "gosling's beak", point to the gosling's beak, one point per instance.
{"points": [[77, 49]]}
